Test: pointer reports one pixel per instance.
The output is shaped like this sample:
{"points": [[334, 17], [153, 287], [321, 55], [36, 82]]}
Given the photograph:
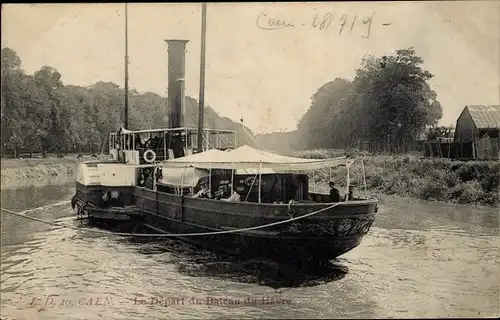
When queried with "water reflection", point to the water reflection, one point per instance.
{"points": [[194, 262]]}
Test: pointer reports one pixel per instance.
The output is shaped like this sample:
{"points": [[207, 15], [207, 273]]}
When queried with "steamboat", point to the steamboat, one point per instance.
{"points": [[198, 184]]}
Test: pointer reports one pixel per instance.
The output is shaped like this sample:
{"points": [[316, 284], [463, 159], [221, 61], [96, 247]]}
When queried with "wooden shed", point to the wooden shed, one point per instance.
{"points": [[480, 126]]}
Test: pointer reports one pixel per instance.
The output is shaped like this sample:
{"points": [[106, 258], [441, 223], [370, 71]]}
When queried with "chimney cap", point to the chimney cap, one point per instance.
{"points": [[176, 40]]}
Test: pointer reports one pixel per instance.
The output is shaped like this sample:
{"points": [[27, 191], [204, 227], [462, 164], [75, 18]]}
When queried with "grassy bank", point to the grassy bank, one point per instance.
{"points": [[473, 182], [16, 173]]}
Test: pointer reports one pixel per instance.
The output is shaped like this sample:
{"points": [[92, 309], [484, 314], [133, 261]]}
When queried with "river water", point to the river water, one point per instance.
{"points": [[420, 259]]}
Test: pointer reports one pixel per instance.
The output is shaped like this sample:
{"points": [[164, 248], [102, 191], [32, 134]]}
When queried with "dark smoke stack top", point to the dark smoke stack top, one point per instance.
{"points": [[176, 81]]}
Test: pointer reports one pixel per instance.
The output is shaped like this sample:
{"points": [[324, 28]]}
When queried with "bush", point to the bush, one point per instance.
{"points": [[451, 179], [430, 179], [491, 198], [490, 178], [375, 180], [433, 190], [467, 192]]}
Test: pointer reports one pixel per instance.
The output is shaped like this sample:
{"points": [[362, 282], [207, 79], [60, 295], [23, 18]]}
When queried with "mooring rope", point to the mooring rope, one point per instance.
{"points": [[159, 235], [44, 207]]}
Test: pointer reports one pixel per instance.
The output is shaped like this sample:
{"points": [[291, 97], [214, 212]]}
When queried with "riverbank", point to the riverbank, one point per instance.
{"points": [[475, 183], [16, 173], [472, 182]]}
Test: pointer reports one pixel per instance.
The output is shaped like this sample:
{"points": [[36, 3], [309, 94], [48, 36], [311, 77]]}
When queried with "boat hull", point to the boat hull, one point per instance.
{"points": [[261, 245], [320, 237], [326, 235]]}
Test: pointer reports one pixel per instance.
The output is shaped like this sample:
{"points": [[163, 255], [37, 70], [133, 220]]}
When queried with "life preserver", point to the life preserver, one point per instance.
{"points": [[146, 158]]}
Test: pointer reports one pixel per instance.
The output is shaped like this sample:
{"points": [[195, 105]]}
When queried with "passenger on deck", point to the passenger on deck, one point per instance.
{"points": [[142, 180], [350, 195], [159, 174], [334, 192], [203, 193], [138, 142], [222, 192], [115, 199], [105, 199], [235, 197]]}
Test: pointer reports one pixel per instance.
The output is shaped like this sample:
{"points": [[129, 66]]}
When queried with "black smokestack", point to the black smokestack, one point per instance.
{"points": [[176, 75]]}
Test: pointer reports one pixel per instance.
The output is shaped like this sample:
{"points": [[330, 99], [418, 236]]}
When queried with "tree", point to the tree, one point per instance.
{"points": [[13, 107], [319, 127], [10, 61], [389, 102], [51, 113], [397, 97], [40, 113]]}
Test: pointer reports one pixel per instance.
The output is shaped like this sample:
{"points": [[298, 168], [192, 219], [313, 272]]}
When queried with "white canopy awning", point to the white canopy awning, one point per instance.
{"points": [[246, 157], [187, 177], [212, 155]]}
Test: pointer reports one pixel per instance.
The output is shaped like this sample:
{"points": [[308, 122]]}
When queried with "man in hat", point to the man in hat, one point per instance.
{"points": [[334, 192], [203, 192], [349, 195]]}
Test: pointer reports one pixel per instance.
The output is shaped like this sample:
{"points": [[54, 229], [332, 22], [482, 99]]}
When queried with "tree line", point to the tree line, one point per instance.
{"points": [[39, 113], [389, 104]]}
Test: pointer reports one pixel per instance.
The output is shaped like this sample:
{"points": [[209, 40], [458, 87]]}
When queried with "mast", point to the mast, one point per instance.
{"points": [[125, 123], [201, 106]]}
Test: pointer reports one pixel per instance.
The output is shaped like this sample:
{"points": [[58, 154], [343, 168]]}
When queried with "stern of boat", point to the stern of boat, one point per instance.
{"points": [[104, 190]]}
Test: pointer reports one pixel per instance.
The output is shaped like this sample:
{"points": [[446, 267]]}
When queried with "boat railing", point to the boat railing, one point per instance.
{"points": [[134, 146]]}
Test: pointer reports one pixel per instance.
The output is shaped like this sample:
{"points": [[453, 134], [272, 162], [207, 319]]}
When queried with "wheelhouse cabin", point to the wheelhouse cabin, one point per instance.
{"points": [[128, 146]]}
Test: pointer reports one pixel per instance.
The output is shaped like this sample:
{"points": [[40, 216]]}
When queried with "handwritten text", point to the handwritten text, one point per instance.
{"points": [[266, 23], [328, 21]]}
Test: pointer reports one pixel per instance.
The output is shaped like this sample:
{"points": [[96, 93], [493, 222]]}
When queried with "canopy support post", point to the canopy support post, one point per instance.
{"points": [[210, 180], [314, 181], [182, 182], [193, 180], [364, 178], [232, 179], [348, 180], [260, 178], [164, 145], [154, 176]]}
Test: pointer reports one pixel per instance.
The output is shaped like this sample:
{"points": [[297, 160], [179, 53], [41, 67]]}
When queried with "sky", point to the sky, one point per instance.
{"points": [[266, 77]]}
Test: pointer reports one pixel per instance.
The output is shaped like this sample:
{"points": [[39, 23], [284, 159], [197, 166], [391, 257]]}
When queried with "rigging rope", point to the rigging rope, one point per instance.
{"points": [[160, 235]]}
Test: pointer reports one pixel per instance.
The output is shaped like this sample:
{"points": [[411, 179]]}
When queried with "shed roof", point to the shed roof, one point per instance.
{"points": [[485, 116]]}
